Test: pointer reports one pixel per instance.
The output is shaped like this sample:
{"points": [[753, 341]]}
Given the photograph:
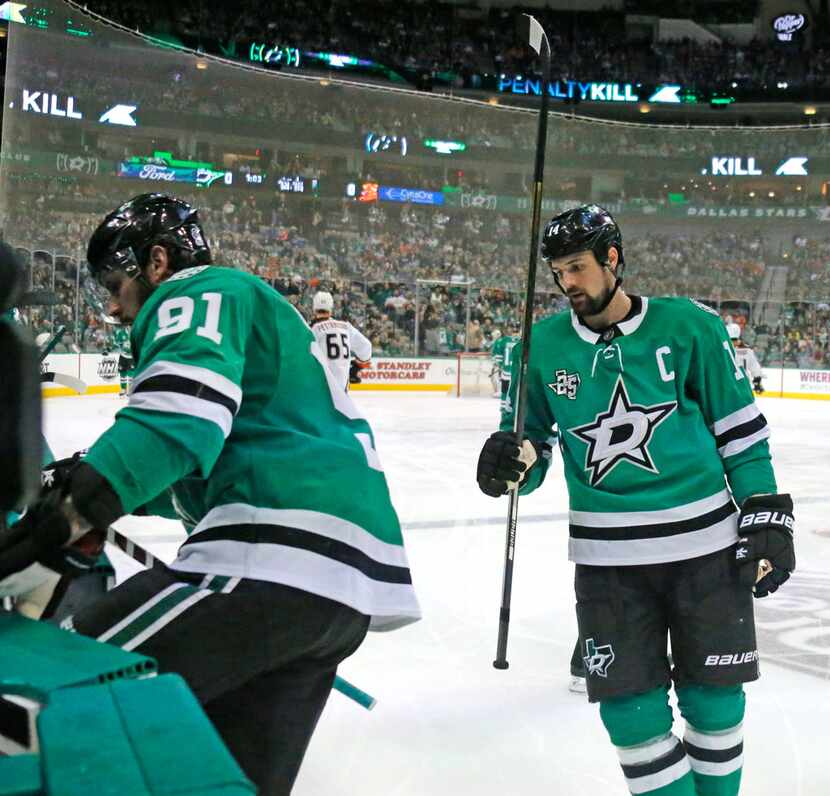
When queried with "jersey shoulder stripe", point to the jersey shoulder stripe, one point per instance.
{"points": [[189, 390], [205, 376]]}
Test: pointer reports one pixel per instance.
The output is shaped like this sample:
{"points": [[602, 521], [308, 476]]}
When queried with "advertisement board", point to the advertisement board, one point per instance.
{"points": [[422, 374]]}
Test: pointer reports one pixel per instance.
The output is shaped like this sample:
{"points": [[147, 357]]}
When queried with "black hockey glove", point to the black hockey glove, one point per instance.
{"points": [[354, 373], [765, 528], [44, 535], [757, 385], [36, 564], [503, 463]]}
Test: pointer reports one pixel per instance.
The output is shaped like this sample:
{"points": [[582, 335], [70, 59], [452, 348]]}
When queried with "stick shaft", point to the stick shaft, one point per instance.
{"points": [[521, 386], [49, 347]]}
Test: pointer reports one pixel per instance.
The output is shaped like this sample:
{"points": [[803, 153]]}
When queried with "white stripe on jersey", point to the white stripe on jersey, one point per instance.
{"points": [[390, 605], [210, 378], [615, 519], [313, 521], [181, 404], [737, 418], [339, 341], [657, 550]]}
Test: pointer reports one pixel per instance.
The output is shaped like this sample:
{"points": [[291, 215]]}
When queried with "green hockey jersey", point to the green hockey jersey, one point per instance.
{"points": [[119, 342], [233, 416], [657, 427], [502, 352]]}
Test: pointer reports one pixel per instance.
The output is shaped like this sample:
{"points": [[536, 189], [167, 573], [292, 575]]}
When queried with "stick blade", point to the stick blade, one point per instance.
{"points": [[531, 31], [66, 380]]}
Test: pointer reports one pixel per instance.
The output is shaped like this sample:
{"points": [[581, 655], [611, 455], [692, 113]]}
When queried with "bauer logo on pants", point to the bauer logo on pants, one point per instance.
{"points": [[597, 658]]}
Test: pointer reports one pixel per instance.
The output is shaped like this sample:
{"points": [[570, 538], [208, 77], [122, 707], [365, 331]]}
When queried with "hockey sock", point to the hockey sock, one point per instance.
{"points": [[653, 760], [714, 736]]}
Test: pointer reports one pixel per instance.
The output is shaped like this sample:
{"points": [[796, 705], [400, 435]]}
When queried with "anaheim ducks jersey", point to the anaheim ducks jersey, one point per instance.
{"points": [[746, 359], [231, 416], [340, 341], [657, 427]]}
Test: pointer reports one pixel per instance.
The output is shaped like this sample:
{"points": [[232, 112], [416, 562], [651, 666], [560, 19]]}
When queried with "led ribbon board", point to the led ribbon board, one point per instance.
{"points": [[274, 54], [163, 167], [444, 147], [733, 166]]}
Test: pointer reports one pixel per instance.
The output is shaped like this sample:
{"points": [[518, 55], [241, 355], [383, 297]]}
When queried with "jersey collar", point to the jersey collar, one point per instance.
{"points": [[628, 325]]}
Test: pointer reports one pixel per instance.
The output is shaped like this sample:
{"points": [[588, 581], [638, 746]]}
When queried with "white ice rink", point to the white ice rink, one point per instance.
{"points": [[446, 721]]}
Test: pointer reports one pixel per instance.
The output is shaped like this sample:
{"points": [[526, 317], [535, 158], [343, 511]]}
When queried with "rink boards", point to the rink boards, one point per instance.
{"points": [[413, 374]]}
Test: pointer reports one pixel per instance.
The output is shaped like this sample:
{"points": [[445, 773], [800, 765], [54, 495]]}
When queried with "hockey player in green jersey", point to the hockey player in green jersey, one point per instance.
{"points": [[674, 514], [234, 425], [502, 352], [119, 344]]}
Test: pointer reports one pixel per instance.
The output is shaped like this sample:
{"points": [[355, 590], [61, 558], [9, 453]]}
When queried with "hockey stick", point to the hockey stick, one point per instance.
{"points": [[59, 378], [535, 35], [62, 378], [148, 560], [50, 346]]}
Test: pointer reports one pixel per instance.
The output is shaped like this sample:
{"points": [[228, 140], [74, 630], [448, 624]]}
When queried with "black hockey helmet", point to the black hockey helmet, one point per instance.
{"points": [[123, 239], [585, 228]]}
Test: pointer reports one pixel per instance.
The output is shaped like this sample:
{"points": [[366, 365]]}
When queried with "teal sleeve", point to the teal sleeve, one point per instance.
{"points": [[142, 456], [539, 421], [753, 476], [160, 506], [186, 390]]}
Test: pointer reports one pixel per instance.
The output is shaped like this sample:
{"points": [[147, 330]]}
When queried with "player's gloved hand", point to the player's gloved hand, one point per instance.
{"points": [[757, 385], [765, 528], [54, 536], [503, 463], [43, 527]]}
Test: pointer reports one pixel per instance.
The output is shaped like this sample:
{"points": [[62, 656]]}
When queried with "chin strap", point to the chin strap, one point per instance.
{"points": [[617, 282]]}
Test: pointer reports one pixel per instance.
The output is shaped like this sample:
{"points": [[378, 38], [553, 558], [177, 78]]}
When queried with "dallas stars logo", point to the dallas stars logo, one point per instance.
{"points": [[621, 433], [597, 659]]}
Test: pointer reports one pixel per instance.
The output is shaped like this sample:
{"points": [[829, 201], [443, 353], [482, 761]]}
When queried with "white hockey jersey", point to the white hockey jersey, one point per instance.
{"points": [[748, 362], [339, 342]]}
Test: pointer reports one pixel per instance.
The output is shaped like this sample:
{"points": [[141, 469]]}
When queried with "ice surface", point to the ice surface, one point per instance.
{"points": [[446, 721]]}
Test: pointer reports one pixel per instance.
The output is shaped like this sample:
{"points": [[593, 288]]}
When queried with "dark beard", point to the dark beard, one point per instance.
{"points": [[595, 305]]}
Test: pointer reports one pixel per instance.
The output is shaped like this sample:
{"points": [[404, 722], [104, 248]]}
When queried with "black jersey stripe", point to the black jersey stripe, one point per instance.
{"points": [[655, 766], [304, 540], [740, 431], [714, 755], [167, 382], [625, 533]]}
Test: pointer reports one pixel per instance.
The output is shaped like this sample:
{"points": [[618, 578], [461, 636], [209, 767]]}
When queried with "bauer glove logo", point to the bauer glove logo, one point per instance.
{"points": [[781, 518]]}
